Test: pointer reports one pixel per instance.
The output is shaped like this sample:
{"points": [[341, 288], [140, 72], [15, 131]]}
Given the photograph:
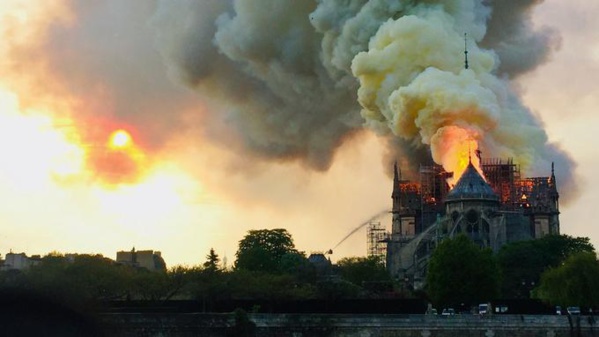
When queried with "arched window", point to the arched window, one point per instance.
{"points": [[454, 216], [472, 216]]}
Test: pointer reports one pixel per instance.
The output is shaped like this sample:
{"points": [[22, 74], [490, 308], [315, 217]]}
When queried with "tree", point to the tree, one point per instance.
{"points": [[461, 272], [246, 284], [79, 278], [564, 245], [158, 285], [523, 262], [99, 277], [573, 283], [262, 250], [48, 277], [297, 265], [362, 271], [212, 261], [335, 289]]}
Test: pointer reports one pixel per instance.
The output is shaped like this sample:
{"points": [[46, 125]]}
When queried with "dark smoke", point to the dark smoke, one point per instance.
{"points": [[279, 73], [510, 34]]}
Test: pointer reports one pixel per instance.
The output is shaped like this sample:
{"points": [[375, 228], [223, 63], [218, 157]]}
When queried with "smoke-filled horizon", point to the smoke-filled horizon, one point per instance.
{"points": [[293, 81], [238, 115]]}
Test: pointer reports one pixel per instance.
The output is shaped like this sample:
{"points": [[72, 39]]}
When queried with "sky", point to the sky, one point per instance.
{"points": [[178, 126]]}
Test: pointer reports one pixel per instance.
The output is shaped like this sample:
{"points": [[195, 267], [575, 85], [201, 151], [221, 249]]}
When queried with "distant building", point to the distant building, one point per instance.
{"points": [[19, 261], [149, 259]]}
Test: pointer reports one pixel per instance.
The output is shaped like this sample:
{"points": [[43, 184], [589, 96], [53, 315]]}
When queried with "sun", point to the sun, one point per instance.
{"points": [[120, 139]]}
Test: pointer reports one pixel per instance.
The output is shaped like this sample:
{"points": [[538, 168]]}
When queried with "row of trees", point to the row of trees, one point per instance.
{"points": [[93, 277], [267, 266], [558, 269]]}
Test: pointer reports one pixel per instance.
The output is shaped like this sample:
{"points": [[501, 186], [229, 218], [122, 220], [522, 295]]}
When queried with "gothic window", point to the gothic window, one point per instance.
{"points": [[454, 216], [485, 227], [472, 216]]}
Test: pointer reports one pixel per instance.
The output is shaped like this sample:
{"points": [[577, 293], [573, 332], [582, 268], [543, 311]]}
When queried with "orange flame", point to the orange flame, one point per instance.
{"points": [[464, 154], [454, 147]]}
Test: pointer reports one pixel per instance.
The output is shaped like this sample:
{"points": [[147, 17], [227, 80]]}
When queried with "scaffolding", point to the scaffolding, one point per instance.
{"points": [[503, 176], [434, 188], [423, 201], [376, 235]]}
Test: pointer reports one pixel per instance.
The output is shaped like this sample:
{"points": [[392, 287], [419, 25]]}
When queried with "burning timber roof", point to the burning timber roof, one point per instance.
{"points": [[471, 186]]}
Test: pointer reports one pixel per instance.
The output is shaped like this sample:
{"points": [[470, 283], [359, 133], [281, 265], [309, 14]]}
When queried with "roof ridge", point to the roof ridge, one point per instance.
{"points": [[472, 185]]}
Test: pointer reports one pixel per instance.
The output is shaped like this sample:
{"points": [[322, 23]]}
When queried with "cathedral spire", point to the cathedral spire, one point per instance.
{"points": [[469, 153], [396, 178], [465, 51]]}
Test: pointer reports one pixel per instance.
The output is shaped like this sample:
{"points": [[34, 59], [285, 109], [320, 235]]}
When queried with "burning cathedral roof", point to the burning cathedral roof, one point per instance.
{"points": [[471, 185]]}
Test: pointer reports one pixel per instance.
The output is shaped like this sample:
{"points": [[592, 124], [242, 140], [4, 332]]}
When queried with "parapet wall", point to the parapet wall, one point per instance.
{"points": [[333, 325]]}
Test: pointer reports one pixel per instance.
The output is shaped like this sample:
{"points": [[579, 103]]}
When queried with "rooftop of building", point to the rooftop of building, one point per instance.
{"points": [[471, 186]]}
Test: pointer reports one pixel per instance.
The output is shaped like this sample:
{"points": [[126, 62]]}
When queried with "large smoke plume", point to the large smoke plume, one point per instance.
{"points": [[286, 75], [291, 80]]}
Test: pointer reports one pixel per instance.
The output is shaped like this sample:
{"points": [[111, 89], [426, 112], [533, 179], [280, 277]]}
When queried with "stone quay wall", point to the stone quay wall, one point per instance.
{"points": [[346, 325]]}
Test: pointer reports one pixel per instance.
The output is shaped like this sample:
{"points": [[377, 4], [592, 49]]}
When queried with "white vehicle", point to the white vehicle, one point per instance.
{"points": [[448, 312], [483, 309]]}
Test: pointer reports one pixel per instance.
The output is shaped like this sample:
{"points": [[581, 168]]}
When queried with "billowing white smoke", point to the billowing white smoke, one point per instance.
{"points": [[286, 73]]}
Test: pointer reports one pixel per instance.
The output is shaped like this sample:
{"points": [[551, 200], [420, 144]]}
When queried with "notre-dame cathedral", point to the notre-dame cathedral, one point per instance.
{"points": [[492, 209]]}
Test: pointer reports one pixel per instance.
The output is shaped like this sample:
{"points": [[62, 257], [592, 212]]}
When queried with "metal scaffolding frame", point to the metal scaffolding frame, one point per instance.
{"points": [[376, 234]]}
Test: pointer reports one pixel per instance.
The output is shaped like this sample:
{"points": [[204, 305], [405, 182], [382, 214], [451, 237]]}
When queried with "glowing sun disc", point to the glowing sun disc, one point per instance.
{"points": [[120, 138]]}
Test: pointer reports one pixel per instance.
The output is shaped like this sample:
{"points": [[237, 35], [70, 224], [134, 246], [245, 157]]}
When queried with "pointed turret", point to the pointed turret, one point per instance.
{"points": [[553, 185], [396, 194]]}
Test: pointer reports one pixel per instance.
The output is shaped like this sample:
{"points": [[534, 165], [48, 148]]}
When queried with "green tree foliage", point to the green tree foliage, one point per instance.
{"points": [[209, 286], [80, 277], [461, 272], [48, 277], [98, 277], [334, 289], [85, 278], [245, 284], [158, 285], [523, 262], [297, 265], [262, 250], [363, 271], [209, 282], [574, 283]]}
